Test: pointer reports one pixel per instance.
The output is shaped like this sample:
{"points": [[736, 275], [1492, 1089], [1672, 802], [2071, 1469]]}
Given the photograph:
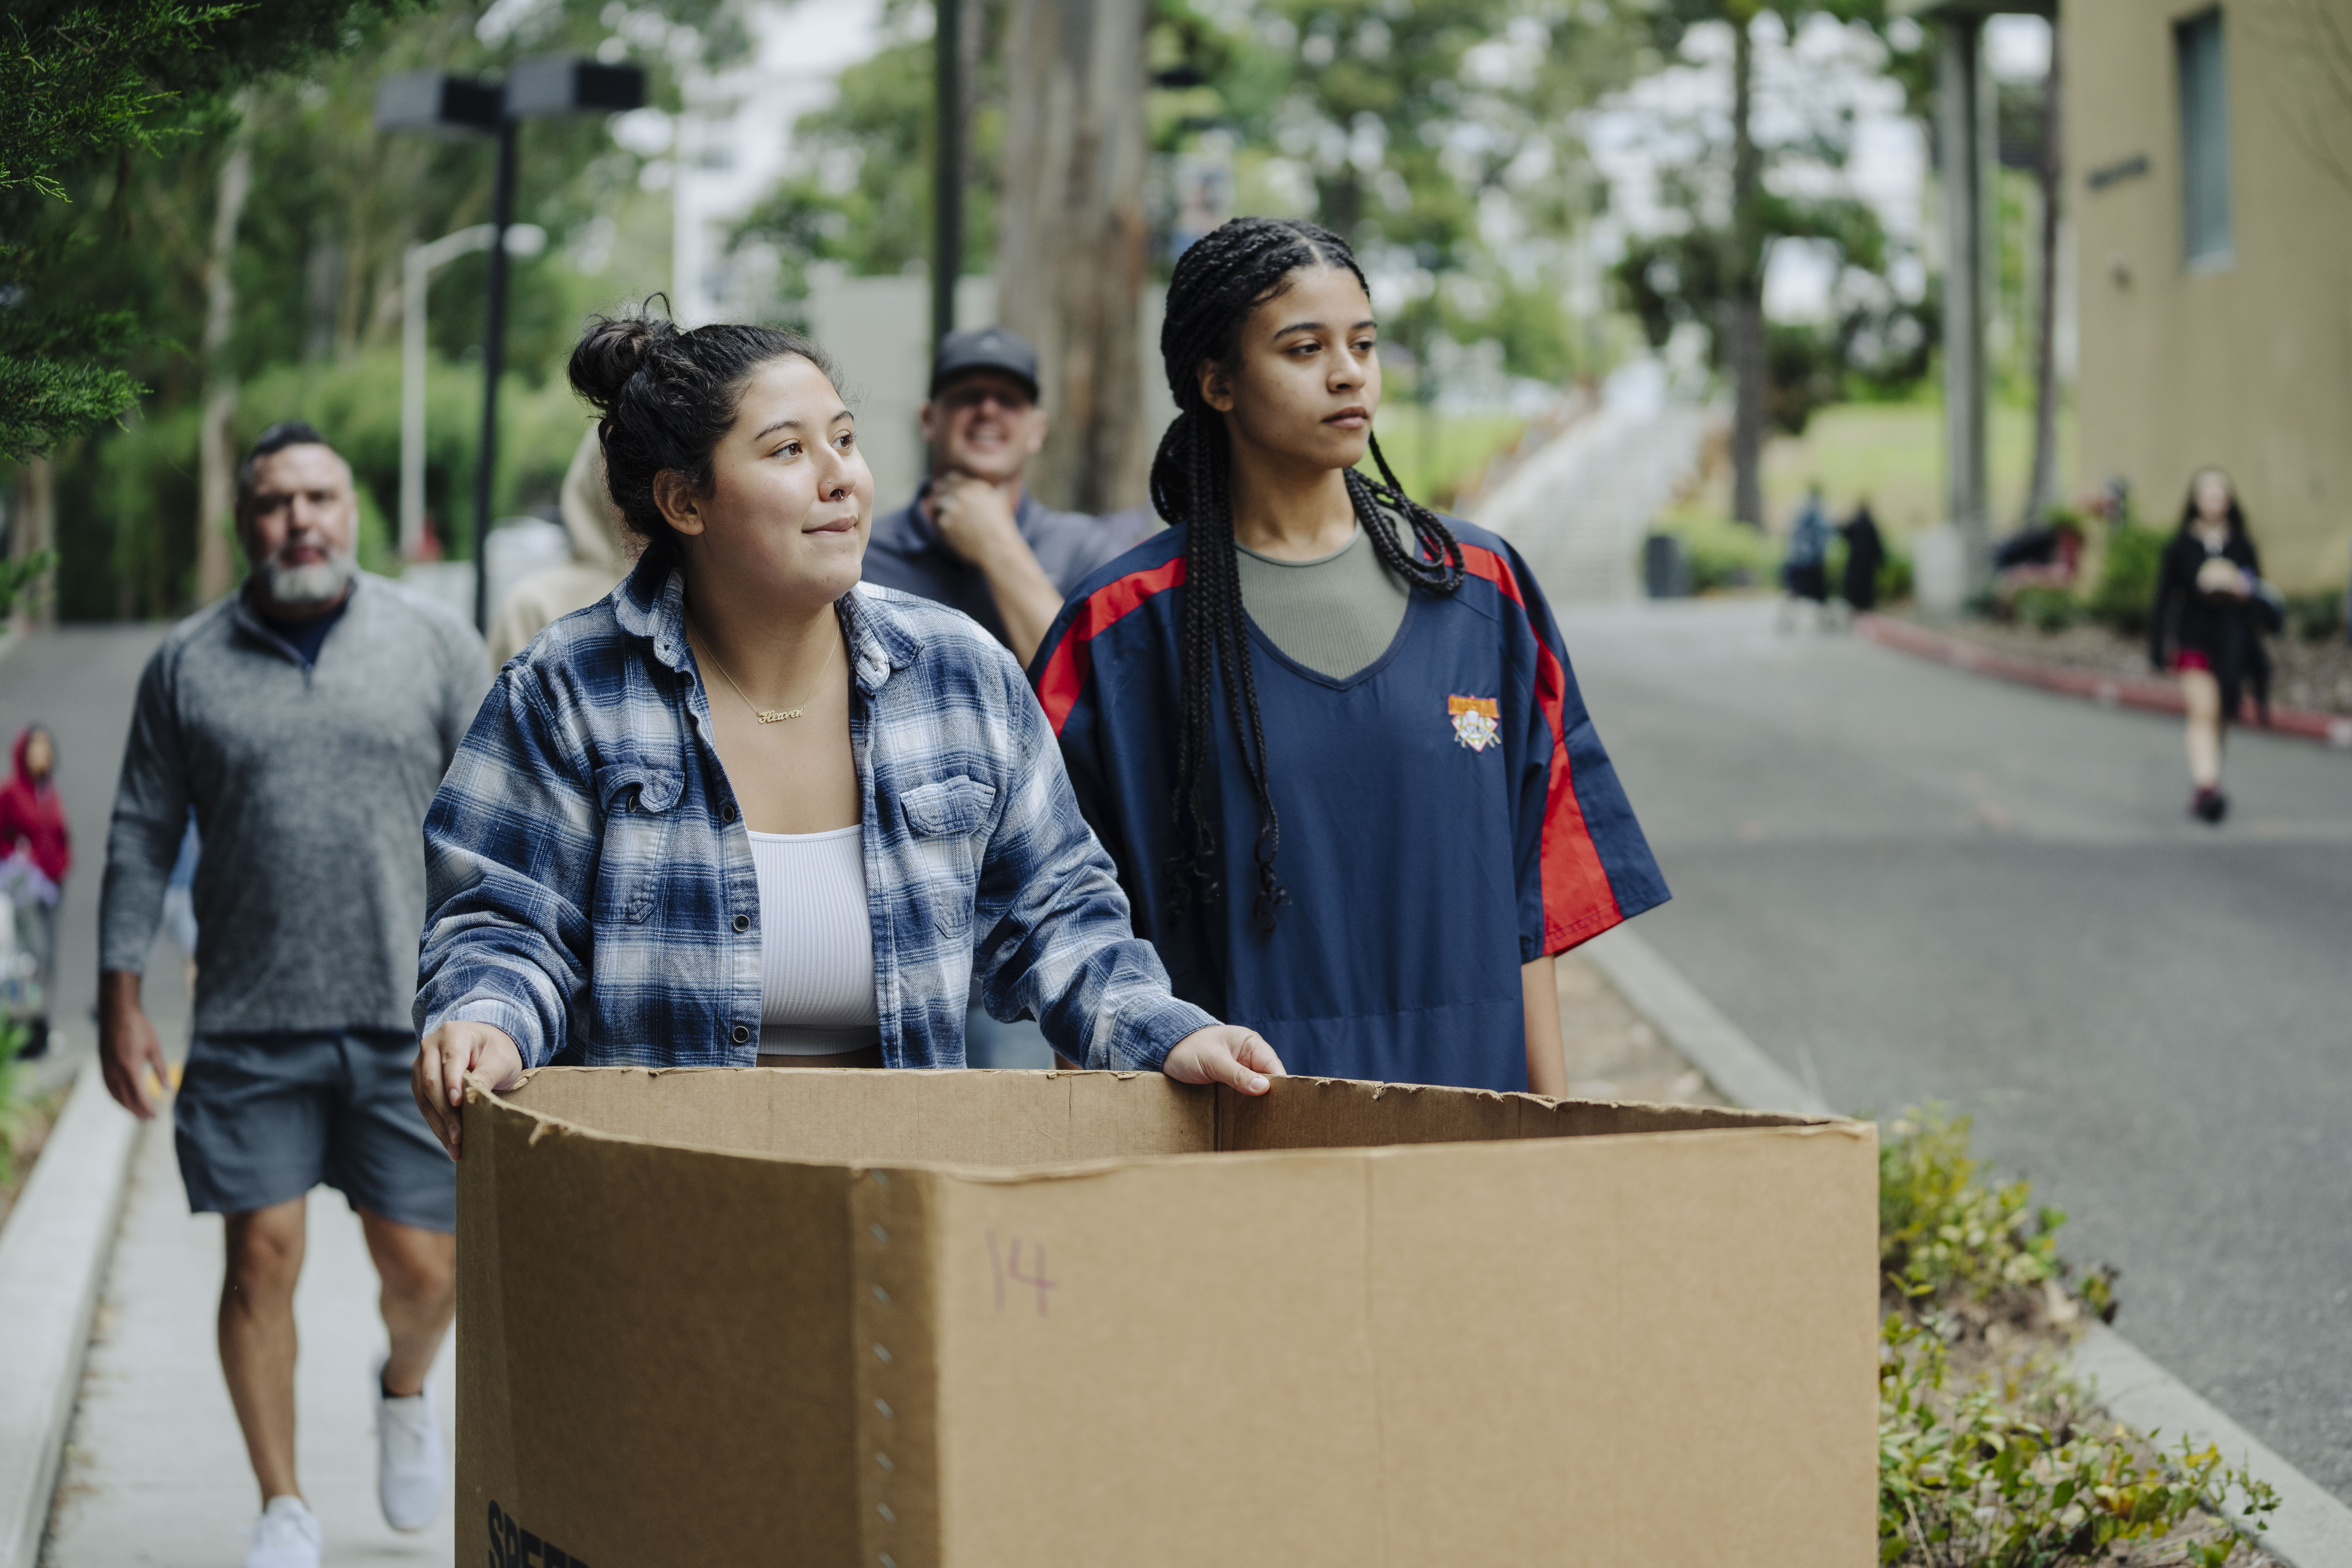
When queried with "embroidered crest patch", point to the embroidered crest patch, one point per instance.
{"points": [[1477, 721]]}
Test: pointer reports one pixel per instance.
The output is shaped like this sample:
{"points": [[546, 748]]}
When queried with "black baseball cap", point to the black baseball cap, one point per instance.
{"points": [[985, 348]]}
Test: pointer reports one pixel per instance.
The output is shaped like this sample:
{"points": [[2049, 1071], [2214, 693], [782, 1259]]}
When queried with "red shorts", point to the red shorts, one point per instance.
{"points": [[2190, 659]]}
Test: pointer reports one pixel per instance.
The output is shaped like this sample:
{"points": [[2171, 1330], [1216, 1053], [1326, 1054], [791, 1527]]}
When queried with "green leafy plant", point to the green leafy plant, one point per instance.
{"points": [[1944, 1232], [2044, 607], [2315, 618], [2009, 1464], [17, 576], [13, 1113], [2125, 590], [1723, 554], [2015, 1469]]}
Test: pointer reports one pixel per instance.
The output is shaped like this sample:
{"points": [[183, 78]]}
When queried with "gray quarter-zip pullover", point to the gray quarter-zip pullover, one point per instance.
{"points": [[310, 785]]}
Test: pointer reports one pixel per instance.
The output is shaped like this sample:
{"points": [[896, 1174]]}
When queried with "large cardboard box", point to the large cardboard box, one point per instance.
{"points": [[908, 1319]]}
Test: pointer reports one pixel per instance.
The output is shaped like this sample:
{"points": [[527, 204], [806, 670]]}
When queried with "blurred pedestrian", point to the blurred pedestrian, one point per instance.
{"points": [[1804, 572], [38, 850], [635, 861], [1332, 739], [307, 718], [975, 538], [599, 559], [2207, 629], [1865, 553]]}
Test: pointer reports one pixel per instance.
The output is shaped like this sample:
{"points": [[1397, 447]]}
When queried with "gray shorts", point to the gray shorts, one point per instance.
{"points": [[262, 1119]]}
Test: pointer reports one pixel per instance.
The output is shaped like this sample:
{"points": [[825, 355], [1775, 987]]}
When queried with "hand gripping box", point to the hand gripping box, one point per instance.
{"points": [[976, 1319]]}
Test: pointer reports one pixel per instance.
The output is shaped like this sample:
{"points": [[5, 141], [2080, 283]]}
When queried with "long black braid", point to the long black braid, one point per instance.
{"points": [[1220, 279]]}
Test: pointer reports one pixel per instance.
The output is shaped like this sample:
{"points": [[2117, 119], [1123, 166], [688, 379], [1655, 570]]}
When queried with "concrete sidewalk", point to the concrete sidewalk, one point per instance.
{"points": [[156, 1472]]}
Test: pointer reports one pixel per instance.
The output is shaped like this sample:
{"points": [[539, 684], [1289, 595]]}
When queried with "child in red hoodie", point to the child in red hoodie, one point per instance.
{"points": [[34, 837]]}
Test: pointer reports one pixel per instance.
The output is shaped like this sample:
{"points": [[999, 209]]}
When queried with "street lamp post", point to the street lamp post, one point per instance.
{"points": [[947, 166], [418, 264], [446, 105]]}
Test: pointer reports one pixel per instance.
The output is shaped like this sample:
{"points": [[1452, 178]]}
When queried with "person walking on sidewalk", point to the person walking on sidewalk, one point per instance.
{"points": [[1805, 572], [2207, 629], [974, 538], [1332, 739], [1865, 554], [307, 717], [36, 853]]}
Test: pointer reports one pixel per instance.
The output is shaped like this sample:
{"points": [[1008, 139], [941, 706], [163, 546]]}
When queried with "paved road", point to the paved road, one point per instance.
{"points": [[1910, 883]]}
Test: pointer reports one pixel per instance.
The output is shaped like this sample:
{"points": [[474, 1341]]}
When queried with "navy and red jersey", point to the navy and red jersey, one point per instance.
{"points": [[1447, 813]]}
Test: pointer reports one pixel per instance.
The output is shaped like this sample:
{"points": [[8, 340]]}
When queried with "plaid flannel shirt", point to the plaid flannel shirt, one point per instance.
{"points": [[590, 883]]}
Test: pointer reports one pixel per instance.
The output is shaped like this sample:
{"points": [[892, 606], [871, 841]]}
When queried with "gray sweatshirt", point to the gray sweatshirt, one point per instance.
{"points": [[311, 784]]}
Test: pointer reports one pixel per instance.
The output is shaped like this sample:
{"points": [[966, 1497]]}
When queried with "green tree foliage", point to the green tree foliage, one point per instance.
{"points": [[1438, 136], [84, 80], [1441, 138], [317, 266], [861, 194], [1878, 345]]}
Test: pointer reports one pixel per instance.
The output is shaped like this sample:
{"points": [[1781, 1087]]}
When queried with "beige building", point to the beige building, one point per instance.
{"points": [[2211, 156]]}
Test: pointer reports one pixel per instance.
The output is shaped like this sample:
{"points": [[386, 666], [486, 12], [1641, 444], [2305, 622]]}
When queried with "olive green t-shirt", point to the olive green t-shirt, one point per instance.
{"points": [[1335, 615]]}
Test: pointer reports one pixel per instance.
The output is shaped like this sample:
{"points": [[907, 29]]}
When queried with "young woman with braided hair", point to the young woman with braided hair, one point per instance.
{"points": [[1330, 737]]}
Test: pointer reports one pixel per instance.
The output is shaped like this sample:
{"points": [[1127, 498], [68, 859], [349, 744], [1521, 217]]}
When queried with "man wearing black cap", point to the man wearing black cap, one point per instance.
{"points": [[972, 537]]}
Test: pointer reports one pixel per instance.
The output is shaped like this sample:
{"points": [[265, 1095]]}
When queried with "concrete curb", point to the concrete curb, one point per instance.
{"points": [[53, 1259], [1710, 1042], [2312, 1527], [2107, 690]]}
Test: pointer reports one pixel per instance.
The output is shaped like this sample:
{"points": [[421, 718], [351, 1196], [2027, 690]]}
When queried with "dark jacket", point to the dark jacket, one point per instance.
{"points": [[1865, 554], [2226, 629], [905, 553]]}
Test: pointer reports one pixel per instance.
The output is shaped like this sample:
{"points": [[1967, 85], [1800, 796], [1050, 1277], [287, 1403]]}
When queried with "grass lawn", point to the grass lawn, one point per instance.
{"points": [[1436, 454], [1892, 453]]}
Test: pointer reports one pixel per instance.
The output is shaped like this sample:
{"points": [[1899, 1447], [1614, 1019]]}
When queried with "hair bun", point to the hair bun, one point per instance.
{"points": [[613, 349]]}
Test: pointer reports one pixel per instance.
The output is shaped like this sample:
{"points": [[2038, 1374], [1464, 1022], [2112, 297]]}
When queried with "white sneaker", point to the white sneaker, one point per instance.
{"points": [[408, 1462], [285, 1536]]}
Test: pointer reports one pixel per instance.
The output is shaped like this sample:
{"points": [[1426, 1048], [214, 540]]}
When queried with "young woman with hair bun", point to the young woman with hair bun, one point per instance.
{"points": [[747, 809], [1330, 737]]}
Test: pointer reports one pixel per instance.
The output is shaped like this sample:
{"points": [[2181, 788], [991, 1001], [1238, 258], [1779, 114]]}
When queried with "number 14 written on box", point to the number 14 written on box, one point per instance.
{"points": [[1004, 1264]]}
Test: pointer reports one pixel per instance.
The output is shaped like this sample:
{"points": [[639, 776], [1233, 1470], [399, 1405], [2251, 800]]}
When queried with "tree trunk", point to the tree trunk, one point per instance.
{"points": [[2042, 491], [1071, 241], [216, 447], [1746, 308], [33, 529]]}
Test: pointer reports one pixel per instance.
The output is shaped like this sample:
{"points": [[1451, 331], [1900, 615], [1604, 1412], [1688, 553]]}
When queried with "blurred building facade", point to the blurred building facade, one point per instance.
{"points": [[2210, 153]]}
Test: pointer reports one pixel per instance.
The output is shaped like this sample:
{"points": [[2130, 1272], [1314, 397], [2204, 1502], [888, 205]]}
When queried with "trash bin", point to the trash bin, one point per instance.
{"points": [[1665, 569]]}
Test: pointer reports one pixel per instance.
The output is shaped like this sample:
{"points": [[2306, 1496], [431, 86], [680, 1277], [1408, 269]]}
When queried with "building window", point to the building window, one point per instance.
{"points": [[2204, 139]]}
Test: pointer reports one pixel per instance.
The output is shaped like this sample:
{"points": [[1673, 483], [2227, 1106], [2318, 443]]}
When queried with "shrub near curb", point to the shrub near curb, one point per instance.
{"points": [[2010, 1465]]}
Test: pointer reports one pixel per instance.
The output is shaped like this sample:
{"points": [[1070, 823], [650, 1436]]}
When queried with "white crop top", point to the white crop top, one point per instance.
{"points": [[816, 944]]}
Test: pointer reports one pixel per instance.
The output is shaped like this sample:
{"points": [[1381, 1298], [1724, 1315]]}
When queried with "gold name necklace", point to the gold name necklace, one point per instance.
{"points": [[770, 715]]}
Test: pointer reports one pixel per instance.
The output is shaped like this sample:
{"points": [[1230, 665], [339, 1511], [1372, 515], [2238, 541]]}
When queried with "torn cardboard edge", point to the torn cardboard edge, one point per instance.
{"points": [[1300, 1112]]}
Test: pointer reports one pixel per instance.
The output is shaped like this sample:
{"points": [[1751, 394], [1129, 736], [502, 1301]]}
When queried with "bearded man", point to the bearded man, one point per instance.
{"points": [[306, 719]]}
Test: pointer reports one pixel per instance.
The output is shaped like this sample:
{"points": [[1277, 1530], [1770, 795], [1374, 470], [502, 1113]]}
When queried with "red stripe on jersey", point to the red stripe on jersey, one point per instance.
{"points": [[1065, 675], [1578, 900]]}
